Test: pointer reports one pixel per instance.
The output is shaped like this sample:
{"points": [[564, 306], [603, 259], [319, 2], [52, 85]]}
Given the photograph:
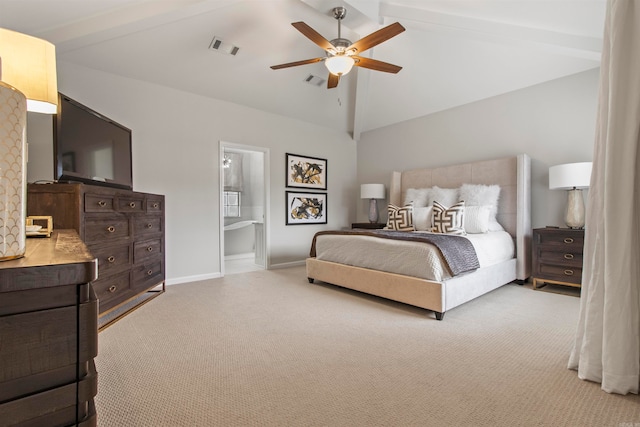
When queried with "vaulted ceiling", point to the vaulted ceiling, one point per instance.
{"points": [[453, 51]]}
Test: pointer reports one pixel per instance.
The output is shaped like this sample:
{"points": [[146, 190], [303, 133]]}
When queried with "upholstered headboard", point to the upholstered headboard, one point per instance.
{"points": [[512, 174]]}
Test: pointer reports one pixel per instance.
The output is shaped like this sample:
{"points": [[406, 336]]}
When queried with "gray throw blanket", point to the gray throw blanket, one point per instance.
{"points": [[457, 251]]}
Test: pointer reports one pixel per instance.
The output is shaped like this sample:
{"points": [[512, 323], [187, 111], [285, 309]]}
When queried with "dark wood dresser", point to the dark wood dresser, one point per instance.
{"points": [[123, 229], [49, 334], [557, 256]]}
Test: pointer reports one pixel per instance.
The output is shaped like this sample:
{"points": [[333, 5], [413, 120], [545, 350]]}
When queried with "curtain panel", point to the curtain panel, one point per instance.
{"points": [[607, 343]]}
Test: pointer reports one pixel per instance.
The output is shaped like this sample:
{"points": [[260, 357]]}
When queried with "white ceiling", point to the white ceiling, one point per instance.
{"points": [[453, 51]]}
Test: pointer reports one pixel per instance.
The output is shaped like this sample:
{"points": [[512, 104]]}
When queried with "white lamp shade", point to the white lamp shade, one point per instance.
{"points": [[29, 65], [372, 191], [570, 175], [339, 64]]}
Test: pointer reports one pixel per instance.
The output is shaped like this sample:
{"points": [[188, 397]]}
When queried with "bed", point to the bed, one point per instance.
{"points": [[443, 292]]}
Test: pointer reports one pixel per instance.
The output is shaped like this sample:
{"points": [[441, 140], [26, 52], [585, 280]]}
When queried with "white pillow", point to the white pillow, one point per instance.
{"points": [[417, 197], [444, 196], [483, 195], [476, 219], [422, 218]]}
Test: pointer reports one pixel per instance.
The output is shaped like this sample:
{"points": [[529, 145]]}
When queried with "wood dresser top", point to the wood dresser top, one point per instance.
{"points": [[58, 260]]}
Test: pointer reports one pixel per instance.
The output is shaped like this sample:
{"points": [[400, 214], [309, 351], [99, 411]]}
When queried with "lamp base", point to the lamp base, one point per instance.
{"points": [[373, 211], [574, 216]]}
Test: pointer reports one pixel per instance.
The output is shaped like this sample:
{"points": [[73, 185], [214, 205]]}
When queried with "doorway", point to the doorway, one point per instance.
{"points": [[244, 207]]}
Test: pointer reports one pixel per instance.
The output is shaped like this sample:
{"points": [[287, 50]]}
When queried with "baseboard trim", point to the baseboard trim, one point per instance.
{"points": [[196, 278]]}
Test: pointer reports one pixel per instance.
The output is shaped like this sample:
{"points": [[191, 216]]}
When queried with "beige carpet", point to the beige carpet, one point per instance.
{"points": [[269, 349]]}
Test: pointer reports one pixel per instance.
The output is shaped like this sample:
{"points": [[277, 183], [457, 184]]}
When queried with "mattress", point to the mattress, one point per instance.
{"points": [[409, 258]]}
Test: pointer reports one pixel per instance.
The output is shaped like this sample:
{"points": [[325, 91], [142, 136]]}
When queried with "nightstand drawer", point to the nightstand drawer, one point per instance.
{"points": [[560, 238], [560, 273], [553, 256]]}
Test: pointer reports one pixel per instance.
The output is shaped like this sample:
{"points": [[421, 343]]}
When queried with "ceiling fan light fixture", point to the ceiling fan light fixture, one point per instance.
{"points": [[339, 65]]}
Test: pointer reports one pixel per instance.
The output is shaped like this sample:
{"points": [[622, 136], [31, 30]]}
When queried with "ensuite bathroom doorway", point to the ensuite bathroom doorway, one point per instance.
{"points": [[244, 207]]}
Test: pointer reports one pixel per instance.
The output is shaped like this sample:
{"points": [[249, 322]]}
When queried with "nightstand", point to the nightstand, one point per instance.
{"points": [[368, 225], [557, 256]]}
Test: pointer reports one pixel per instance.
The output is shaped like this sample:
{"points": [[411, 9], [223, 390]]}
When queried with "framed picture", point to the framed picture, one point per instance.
{"points": [[306, 172], [306, 208]]}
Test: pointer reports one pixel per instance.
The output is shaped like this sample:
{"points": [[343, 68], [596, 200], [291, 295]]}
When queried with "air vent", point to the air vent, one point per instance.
{"points": [[315, 80], [220, 46]]}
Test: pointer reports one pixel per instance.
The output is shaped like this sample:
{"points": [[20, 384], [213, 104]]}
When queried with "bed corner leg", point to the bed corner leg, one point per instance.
{"points": [[439, 315], [520, 281], [310, 279]]}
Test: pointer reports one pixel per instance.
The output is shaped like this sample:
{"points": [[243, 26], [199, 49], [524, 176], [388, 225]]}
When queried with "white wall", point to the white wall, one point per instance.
{"points": [[175, 153], [553, 123]]}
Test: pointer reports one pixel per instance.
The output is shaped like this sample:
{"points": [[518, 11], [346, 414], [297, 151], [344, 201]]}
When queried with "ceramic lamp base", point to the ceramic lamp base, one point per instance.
{"points": [[373, 211], [13, 189], [574, 216]]}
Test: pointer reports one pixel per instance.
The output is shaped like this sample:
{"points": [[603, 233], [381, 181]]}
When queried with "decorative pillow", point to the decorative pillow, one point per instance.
{"points": [[444, 196], [418, 197], [476, 219], [400, 218], [422, 218], [449, 220], [483, 195]]}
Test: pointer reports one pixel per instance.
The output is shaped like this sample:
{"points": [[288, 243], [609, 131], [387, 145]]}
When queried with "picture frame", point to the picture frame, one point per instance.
{"points": [[306, 208], [306, 172]]}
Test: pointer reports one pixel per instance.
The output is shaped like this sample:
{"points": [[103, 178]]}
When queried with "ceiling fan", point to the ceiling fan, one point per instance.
{"points": [[342, 55]]}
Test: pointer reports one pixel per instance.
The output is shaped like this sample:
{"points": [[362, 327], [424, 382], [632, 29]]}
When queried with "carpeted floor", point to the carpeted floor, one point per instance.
{"points": [[269, 349]]}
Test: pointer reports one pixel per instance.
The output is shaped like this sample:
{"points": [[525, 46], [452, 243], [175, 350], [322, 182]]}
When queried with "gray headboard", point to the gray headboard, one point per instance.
{"points": [[512, 174]]}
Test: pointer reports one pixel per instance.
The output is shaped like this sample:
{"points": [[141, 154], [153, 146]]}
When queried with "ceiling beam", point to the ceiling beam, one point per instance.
{"points": [[578, 46]]}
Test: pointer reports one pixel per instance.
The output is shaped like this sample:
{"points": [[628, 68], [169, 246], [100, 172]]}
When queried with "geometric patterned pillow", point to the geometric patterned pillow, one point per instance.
{"points": [[449, 220], [400, 219]]}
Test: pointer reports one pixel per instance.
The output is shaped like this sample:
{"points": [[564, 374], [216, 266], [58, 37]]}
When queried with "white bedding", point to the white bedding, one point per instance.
{"points": [[407, 257]]}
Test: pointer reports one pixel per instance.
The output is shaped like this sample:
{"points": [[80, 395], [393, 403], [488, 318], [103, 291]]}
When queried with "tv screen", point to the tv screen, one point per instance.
{"points": [[90, 148]]}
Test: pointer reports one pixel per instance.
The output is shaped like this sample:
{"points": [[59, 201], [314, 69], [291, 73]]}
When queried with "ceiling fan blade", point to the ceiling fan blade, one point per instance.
{"points": [[332, 81], [374, 64], [313, 35], [377, 37], [295, 64]]}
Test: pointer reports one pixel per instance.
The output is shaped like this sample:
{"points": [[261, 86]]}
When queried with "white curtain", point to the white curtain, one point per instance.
{"points": [[607, 344]]}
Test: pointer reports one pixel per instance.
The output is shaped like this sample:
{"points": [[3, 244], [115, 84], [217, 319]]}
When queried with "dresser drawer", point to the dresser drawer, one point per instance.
{"points": [[155, 205], [112, 258], [105, 229], [147, 225], [146, 249], [147, 275], [130, 204], [99, 203], [111, 290]]}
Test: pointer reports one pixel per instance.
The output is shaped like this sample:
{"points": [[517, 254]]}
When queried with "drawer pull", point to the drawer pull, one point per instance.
{"points": [[102, 203], [132, 205], [149, 248], [156, 205], [568, 240], [112, 288], [568, 272], [149, 225], [149, 272], [568, 256], [111, 258], [111, 229]]}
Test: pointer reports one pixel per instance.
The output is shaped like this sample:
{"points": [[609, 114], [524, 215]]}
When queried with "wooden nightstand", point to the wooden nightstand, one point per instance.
{"points": [[557, 256], [368, 225]]}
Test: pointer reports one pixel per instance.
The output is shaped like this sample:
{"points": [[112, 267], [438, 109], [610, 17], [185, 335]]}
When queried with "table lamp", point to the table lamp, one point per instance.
{"points": [[372, 192], [572, 177], [27, 83]]}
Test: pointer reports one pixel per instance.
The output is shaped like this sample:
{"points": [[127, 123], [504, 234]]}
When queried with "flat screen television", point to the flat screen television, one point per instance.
{"points": [[89, 147]]}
